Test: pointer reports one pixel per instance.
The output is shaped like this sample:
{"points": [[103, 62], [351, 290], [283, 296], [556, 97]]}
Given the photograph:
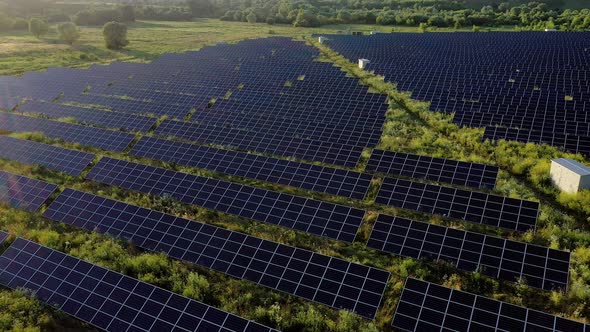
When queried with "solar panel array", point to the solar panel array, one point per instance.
{"points": [[94, 137], [306, 176], [495, 257], [89, 116], [330, 281], [304, 214], [567, 142], [106, 299], [433, 169], [486, 81], [71, 162], [476, 207], [24, 193], [326, 152], [426, 306]]}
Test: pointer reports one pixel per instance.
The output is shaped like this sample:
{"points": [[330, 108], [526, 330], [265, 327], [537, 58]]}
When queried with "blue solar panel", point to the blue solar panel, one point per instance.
{"points": [[99, 118], [326, 152], [307, 215], [71, 162], [492, 210], [425, 306], [330, 281], [534, 83], [24, 193], [306, 176], [434, 169], [106, 299], [498, 258], [94, 137]]}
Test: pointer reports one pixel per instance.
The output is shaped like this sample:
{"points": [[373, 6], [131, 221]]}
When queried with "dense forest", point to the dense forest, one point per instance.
{"points": [[310, 13]]}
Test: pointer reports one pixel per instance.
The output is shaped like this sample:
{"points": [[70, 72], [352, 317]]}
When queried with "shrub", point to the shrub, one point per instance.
{"points": [[423, 27], [115, 35], [68, 32], [38, 27], [251, 18], [20, 24]]}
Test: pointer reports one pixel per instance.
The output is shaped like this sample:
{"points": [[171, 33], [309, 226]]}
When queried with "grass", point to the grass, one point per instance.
{"points": [[21, 52]]}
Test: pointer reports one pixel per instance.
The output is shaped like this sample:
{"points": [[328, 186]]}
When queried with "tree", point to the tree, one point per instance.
{"points": [[115, 35], [127, 13], [251, 18], [68, 32], [306, 18], [423, 27], [476, 28], [38, 27], [200, 8]]}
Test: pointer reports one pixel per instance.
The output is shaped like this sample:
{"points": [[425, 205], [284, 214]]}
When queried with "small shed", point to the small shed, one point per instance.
{"points": [[374, 32], [321, 39], [550, 30], [569, 175], [363, 63]]}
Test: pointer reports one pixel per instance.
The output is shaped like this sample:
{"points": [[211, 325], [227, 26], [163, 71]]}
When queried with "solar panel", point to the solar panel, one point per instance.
{"points": [[330, 281], [573, 143], [99, 118], [54, 158], [129, 106], [94, 137], [433, 169], [492, 210], [493, 256], [426, 306], [107, 299], [306, 176], [23, 192], [326, 152], [3, 236], [307, 215]]}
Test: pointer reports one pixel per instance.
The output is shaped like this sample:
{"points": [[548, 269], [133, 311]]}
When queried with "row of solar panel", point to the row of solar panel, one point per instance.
{"points": [[107, 299], [496, 257], [426, 306], [89, 116], [316, 277], [330, 281]]}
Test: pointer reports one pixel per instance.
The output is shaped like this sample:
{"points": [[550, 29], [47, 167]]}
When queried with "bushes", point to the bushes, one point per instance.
{"points": [[115, 35], [20, 24], [38, 27], [251, 18], [68, 32], [102, 16]]}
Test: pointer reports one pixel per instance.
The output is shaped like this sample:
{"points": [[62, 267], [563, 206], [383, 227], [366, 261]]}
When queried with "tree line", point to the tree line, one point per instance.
{"points": [[311, 13]]}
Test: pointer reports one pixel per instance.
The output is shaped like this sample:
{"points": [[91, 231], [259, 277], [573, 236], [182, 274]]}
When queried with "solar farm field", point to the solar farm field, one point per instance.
{"points": [[272, 185]]}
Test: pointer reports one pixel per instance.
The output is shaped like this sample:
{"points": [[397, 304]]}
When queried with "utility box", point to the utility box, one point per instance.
{"points": [[321, 39], [357, 33], [550, 30], [374, 32], [363, 63], [569, 175]]}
